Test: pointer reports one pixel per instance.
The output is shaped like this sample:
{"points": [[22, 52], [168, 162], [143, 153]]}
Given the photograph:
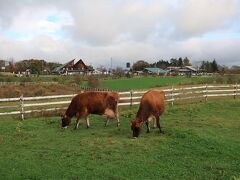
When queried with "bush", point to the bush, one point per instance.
{"points": [[39, 92], [231, 79], [128, 75], [55, 79], [93, 82], [220, 80], [78, 80], [9, 92], [25, 79]]}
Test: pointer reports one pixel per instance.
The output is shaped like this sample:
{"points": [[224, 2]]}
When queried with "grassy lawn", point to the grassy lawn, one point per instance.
{"points": [[201, 141], [151, 82]]}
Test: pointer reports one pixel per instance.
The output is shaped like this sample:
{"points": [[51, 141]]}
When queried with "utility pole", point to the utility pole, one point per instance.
{"points": [[111, 63]]}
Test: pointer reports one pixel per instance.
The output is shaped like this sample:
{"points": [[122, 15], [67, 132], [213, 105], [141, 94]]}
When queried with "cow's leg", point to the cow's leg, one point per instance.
{"points": [[148, 128], [87, 121], [118, 121], [117, 117], [158, 124], [77, 122], [154, 123]]}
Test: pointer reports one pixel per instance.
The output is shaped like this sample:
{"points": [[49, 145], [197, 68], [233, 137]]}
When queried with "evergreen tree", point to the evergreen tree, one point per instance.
{"points": [[186, 62], [214, 66], [173, 62], [180, 62]]}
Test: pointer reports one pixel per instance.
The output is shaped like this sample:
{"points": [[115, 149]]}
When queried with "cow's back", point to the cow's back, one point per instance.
{"points": [[152, 102], [95, 102]]}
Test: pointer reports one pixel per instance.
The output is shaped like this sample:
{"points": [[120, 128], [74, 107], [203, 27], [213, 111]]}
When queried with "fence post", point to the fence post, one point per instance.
{"points": [[206, 93], [235, 91], [131, 100], [172, 96], [22, 106]]}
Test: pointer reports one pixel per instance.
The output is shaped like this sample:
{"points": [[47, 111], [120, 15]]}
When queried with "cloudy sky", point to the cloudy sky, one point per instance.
{"points": [[124, 30]]}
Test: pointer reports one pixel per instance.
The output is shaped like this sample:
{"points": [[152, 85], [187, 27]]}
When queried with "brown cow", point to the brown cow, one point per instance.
{"points": [[101, 103], [151, 106]]}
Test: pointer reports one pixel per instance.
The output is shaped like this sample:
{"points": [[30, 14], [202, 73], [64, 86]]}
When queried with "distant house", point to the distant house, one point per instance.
{"points": [[187, 71], [157, 71], [3, 65], [71, 68]]}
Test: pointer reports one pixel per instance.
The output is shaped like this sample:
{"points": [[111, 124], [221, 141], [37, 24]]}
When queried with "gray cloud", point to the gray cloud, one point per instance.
{"points": [[124, 30]]}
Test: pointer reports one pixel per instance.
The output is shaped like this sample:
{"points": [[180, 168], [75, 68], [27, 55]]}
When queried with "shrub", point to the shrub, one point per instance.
{"points": [[78, 80], [93, 82], [231, 79], [39, 92], [25, 79], [220, 80], [55, 79], [9, 92]]}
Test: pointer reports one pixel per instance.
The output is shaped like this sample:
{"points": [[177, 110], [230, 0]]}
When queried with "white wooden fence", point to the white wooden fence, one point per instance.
{"points": [[25, 83], [25, 105]]}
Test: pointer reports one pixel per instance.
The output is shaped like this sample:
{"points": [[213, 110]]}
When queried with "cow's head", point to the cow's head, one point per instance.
{"points": [[65, 120], [135, 126]]}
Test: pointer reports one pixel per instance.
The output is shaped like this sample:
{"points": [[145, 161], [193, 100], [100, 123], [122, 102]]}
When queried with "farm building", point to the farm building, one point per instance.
{"points": [[187, 70], [158, 71], [73, 68]]}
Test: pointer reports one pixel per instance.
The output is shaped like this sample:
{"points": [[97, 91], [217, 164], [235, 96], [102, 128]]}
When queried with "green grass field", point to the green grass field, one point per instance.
{"points": [[150, 82], [201, 141]]}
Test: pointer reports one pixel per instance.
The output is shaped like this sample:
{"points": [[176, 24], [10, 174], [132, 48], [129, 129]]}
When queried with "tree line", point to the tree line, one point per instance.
{"points": [[207, 66], [40, 66], [142, 64], [36, 66]]}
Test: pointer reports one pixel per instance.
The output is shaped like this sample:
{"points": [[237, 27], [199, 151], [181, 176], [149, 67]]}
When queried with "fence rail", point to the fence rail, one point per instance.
{"points": [[128, 98], [3, 83]]}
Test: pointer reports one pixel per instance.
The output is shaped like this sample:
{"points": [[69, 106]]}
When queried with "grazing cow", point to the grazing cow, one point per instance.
{"points": [[83, 104], [151, 106]]}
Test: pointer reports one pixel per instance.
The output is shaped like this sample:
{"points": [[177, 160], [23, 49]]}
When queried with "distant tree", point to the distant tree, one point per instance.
{"points": [[52, 65], [11, 66], [20, 67], [210, 67], [186, 62], [173, 62], [214, 66], [160, 64], [180, 62], [140, 65], [223, 69], [118, 72]]}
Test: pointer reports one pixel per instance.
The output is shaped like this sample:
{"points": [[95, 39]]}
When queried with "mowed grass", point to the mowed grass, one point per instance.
{"points": [[151, 82], [201, 141]]}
